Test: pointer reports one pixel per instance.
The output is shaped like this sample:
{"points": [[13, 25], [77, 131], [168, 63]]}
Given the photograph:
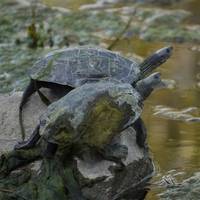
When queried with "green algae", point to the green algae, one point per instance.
{"points": [[55, 179], [106, 113], [90, 132], [53, 28], [49, 66], [11, 160], [171, 33]]}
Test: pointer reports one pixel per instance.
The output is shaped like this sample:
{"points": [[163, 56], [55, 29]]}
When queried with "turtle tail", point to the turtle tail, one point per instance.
{"points": [[30, 89]]}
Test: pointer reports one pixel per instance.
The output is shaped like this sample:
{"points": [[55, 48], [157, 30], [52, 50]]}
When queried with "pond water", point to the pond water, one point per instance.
{"points": [[175, 143]]}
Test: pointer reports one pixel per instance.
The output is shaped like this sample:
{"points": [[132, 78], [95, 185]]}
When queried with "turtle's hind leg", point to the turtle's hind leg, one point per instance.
{"points": [[115, 152], [30, 89], [31, 142], [59, 90]]}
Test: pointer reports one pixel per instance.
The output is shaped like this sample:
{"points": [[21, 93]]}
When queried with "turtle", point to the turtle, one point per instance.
{"points": [[65, 69], [90, 116]]}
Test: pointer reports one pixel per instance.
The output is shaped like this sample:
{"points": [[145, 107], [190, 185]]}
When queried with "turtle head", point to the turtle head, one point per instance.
{"points": [[155, 60], [146, 86], [163, 54]]}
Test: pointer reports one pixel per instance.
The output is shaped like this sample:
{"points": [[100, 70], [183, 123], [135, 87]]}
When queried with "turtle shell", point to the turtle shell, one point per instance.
{"points": [[84, 64], [97, 110]]}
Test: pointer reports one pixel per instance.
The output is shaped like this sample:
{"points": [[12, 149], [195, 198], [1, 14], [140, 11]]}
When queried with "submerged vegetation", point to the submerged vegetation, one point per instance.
{"points": [[36, 26]]}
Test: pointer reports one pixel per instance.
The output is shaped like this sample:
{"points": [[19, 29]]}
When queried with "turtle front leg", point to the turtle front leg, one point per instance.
{"points": [[31, 142], [141, 133]]}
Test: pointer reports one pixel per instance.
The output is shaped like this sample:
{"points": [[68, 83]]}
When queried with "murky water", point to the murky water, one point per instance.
{"points": [[175, 144]]}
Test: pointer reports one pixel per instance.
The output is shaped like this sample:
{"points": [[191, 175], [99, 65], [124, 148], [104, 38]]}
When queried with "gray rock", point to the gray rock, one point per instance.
{"points": [[100, 178], [190, 114], [139, 167], [9, 117]]}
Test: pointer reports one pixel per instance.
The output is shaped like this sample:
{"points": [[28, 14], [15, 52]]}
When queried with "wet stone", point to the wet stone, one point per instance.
{"points": [[186, 114], [195, 48], [179, 188], [166, 83], [167, 16], [91, 176]]}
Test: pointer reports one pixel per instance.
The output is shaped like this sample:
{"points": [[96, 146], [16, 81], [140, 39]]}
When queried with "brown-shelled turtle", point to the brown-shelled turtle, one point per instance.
{"points": [[90, 115], [68, 68]]}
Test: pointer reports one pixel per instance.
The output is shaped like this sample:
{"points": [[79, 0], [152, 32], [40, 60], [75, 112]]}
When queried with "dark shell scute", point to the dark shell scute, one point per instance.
{"points": [[73, 107], [78, 65]]}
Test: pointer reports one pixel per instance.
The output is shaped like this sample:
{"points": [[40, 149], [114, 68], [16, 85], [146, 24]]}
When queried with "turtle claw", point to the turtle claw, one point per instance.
{"points": [[24, 145], [31, 142], [21, 145], [146, 146], [116, 151]]}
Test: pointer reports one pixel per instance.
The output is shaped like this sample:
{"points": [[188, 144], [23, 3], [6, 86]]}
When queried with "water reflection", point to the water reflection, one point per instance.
{"points": [[175, 144]]}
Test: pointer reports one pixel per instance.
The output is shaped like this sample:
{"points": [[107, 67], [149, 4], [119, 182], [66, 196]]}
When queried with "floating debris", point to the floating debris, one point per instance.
{"points": [[167, 83], [186, 114]]}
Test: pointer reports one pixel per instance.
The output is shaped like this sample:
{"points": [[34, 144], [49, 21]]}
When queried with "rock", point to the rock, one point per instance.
{"points": [[9, 117], [162, 16], [167, 83], [140, 2], [159, 3], [99, 178], [179, 185], [189, 114], [98, 5], [195, 48], [115, 182]]}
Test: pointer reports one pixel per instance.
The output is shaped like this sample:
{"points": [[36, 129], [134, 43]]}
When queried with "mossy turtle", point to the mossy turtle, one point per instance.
{"points": [[65, 69], [90, 115]]}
